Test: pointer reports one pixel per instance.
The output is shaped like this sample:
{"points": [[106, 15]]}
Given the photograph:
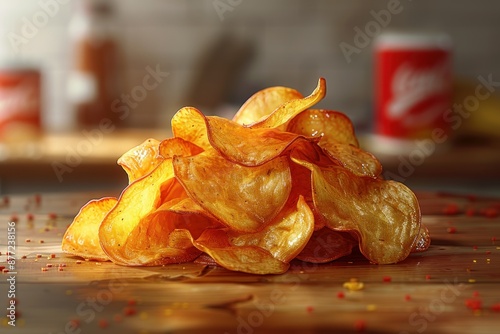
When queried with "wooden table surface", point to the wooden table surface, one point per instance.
{"points": [[454, 287]]}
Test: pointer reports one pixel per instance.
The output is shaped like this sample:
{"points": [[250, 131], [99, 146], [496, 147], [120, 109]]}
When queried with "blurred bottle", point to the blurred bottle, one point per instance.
{"points": [[93, 80], [413, 87], [20, 100]]}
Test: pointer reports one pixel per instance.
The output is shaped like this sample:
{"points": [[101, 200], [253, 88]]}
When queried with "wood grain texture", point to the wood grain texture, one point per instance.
{"points": [[451, 288]]}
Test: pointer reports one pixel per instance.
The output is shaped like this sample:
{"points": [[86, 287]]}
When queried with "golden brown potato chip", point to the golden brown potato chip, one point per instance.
{"points": [[263, 103], [137, 201], [82, 236], [327, 245], [385, 214], [171, 147], [140, 160], [248, 146], [189, 124], [133, 223], [280, 117], [248, 259], [285, 237], [243, 198], [353, 158], [329, 125]]}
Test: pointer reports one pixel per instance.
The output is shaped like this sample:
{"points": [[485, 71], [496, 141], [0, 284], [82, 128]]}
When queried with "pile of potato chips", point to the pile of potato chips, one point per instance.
{"points": [[280, 181]]}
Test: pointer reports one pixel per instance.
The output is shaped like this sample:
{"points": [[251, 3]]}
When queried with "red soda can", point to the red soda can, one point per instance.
{"points": [[413, 84], [20, 117]]}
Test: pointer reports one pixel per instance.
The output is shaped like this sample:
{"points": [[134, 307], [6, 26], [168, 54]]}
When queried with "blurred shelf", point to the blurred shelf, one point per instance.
{"points": [[69, 161]]}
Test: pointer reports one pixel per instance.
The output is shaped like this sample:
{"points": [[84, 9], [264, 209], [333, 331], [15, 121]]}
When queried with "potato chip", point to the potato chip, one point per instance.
{"points": [[329, 125], [280, 117], [353, 158], [133, 223], [265, 252], [385, 214], [246, 199], [248, 146], [189, 124], [285, 237], [140, 160], [82, 236], [263, 103], [248, 259], [327, 245]]}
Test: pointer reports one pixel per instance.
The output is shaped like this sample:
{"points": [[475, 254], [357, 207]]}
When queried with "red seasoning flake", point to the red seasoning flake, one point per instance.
{"points": [[310, 309], [103, 323], [474, 304], [470, 212], [474, 247], [2, 267], [117, 318], [24, 257], [387, 279], [451, 229], [132, 302], [49, 265], [427, 277], [44, 269], [493, 239], [475, 293], [52, 215], [491, 213], [60, 269], [5, 270], [495, 307], [360, 325], [407, 298], [451, 209], [340, 295], [6, 200], [14, 218], [129, 311], [41, 241], [30, 217]]}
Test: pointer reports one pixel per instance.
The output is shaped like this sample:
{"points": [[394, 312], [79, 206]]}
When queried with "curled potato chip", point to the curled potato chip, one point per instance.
{"points": [[248, 197], [82, 236], [248, 146], [133, 222], [353, 158], [384, 214], [141, 159], [248, 259], [189, 124], [267, 251], [285, 237], [280, 117], [329, 125], [327, 245], [263, 103]]}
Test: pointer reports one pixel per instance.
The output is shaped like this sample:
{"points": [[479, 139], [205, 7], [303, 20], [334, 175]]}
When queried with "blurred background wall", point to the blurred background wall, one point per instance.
{"points": [[242, 46]]}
